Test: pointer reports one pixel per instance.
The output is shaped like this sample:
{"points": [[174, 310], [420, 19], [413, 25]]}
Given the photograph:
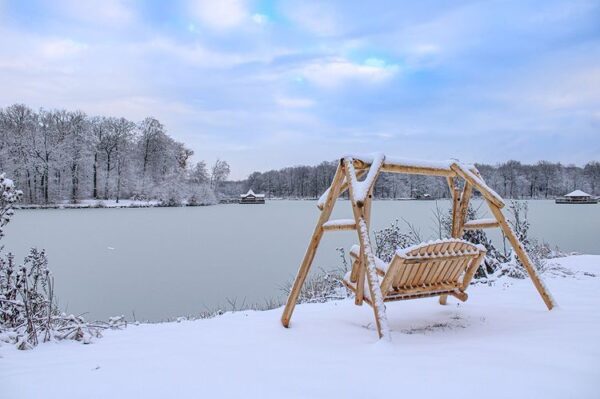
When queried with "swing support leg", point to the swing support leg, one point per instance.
{"points": [[312, 248]]}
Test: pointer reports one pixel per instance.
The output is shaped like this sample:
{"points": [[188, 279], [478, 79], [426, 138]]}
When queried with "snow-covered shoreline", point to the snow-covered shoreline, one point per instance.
{"points": [[101, 204], [501, 343]]}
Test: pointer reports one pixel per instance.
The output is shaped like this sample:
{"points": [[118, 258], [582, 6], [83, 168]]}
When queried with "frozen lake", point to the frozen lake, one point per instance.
{"points": [[168, 262]]}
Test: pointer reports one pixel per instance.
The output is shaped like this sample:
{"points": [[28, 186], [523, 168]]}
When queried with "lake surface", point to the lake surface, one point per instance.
{"points": [[169, 262]]}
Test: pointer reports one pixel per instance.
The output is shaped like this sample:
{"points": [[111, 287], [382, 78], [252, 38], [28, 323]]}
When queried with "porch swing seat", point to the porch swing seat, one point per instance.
{"points": [[434, 268]]}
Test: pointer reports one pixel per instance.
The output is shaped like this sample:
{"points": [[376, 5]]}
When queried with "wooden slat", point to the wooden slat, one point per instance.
{"points": [[459, 268], [470, 272], [401, 271], [426, 258], [391, 274], [437, 247], [420, 270], [417, 290], [436, 277]]}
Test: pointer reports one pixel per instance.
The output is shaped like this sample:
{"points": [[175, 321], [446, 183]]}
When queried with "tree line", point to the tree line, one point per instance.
{"points": [[510, 179], [60, 155]]}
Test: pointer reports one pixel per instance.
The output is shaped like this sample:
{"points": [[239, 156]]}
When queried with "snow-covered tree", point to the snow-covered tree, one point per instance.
{"points": [[218, 173]]}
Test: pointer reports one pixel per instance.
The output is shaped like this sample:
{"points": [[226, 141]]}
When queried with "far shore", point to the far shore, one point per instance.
{"points": [[127, 203]]}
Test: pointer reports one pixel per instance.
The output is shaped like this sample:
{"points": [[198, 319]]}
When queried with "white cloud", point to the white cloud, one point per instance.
{"points": [[316, 18], [99, 12], [220, 14], [334, 72], [291, 102], [195, 54], [260, 19], [59, 48]]}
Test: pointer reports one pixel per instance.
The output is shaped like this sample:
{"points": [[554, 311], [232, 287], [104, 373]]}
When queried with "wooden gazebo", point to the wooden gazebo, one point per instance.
{"points": [[458, 259]]}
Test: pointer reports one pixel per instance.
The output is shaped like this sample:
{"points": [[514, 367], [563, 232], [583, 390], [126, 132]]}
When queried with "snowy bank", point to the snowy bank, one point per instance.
{"points": [[501, 343]]}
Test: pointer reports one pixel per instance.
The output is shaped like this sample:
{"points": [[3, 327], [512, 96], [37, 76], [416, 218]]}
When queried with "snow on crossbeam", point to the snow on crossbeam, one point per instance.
{"points": [[406, 165], [477, 224], [339, 224]]}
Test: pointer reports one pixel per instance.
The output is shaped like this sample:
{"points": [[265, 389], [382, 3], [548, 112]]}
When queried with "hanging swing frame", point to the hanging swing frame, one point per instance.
{"points": [[346, 178]]}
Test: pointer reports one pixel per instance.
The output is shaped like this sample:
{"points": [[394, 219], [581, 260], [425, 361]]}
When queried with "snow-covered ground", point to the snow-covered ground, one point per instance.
{"points": [[501, 343]]}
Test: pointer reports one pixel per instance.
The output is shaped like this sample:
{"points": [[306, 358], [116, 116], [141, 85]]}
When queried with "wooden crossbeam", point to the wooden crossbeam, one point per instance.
{"points": [[478, 224], [340, 224], [395, 167]]}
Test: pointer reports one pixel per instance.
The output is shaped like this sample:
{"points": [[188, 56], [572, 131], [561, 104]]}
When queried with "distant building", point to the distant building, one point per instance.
{"points": [[577, 197], [251, 198]]}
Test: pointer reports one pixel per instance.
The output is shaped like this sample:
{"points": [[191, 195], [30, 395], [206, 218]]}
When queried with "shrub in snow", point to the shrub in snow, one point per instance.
{"points": [[323, 285], [28, 312], [538, 252], [8, 196], [388, 240]]}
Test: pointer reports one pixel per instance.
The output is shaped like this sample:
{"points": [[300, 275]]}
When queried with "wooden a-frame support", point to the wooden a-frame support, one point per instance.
{"points": [[348, 171]]}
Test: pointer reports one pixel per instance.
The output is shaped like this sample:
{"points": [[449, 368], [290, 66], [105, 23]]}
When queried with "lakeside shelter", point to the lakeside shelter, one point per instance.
{"points": [[251, 198], [576, 197]]}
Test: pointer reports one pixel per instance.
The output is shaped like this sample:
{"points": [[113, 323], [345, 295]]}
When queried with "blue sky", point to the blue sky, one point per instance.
{"points": [[267, 84]]}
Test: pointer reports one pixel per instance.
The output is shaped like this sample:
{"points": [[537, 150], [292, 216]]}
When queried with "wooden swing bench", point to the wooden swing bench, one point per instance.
{"points": [[439, 268]]}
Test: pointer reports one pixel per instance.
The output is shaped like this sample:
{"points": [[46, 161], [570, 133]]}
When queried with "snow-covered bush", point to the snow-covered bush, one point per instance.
{"points": [[538, 252], [323, 285], [389, 239], [28, 313], [169, 195], [8, 196], [175, 191]]}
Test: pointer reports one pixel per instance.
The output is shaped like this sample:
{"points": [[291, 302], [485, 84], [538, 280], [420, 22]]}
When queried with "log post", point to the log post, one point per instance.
{"points": [[376, 296], [522, 254], [312, 247]]}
